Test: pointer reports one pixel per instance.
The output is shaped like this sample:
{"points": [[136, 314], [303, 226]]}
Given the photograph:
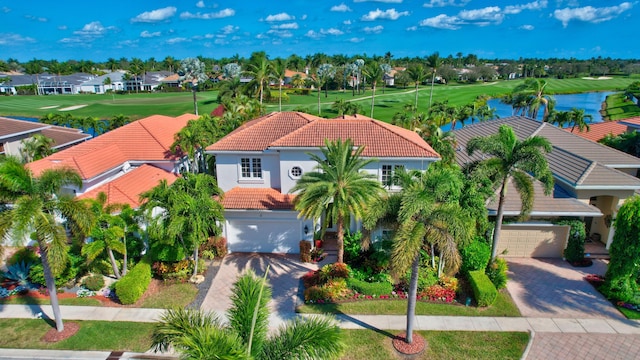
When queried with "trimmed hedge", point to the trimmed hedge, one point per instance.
{"points": [[131, 286], [367, 288], [483, 289]]}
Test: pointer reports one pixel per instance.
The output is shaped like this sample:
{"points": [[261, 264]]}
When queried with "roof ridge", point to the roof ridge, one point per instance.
{"points": [[538, 129], [133, 201], [392, 128], [586, 173], [152, 134]]}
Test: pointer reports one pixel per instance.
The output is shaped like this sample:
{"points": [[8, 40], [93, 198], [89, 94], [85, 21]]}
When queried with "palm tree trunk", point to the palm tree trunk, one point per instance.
{"points": [[373, 97], [114, 265], [412, 298], [340, 239], [261, 92], [124, 261], [195, 102], [499, 216], [195, 260], [416, 96], [280, 98], [319, 91], [51, 286], [433, 79]]}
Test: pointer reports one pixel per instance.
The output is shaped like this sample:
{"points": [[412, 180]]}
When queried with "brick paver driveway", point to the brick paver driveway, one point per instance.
{"points": [[552, 288], [553, 346], [284, 276]]}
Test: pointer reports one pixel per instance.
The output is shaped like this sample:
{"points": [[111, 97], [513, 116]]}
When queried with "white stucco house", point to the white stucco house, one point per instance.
{"points": [[258, 164]]}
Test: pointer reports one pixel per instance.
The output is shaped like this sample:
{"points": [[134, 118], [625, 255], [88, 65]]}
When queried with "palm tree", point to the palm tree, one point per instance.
{"points": [[278, 72], [137, 69], [191, 214], [170, 63], [417, 74], [260, 70], [36, 147], [106, 232], [198, 335], [579, 119], [429, 215], [338, 189], [193, 138], [533, 90], [193, 70], [434, 62], [325, 72], [37, 204], [510, 158], [117, 121], [374, 72]]}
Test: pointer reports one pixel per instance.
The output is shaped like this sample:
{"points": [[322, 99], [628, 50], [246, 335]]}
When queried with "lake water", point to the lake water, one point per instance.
{"points": [[591, 102]]}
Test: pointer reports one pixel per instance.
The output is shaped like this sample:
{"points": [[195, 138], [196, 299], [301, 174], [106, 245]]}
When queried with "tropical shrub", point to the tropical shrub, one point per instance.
{"points": [[316, 293], [370, 288], [94, 282], [475, 256], [336, 288], [368, 275], [131, 286], [74, 268], [427, 276], [575, 244], [497, 272], [215, 246], [166, 252], [439, 293], [25, 254], [179, 270], [334, 271], [310, 279], [352, 246], [483, 289], [18, 273]]}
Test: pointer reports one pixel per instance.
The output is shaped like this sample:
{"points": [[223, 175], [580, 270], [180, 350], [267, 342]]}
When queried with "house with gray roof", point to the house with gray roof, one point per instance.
{"points": [[101, 84], [591, 182]]}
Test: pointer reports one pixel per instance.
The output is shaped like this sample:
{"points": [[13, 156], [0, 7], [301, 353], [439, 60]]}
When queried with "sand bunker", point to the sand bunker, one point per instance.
{"points": [[73, 107], [49, 107], [598, 78]]}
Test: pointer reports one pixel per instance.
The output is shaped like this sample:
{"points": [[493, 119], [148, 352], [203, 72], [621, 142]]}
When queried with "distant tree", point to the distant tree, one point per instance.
{"points": [[629, 142], [417, 74], [117, 121], [325, 73], [579, 119], [36, 147], [193, 71], [278, 72], [434, 62], [374, 72], [259, 69]]}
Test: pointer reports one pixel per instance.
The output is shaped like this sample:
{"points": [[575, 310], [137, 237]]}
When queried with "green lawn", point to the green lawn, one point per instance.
{"points": [[361, 344], [442, 345], [93, 335], [619, 108], [168, 296], [27, 300], [503, 306], [387, 104]]}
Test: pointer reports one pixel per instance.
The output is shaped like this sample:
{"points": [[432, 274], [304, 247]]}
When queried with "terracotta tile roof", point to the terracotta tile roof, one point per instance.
{"points": [[379, 138], [598, 131], [127, 188], [633, 122], [258, 134], [291, 73], [147, 139], [257, 199]]}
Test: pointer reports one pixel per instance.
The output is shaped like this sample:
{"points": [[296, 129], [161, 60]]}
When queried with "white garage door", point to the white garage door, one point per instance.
{"points": [[266, 236], [533, 241]]}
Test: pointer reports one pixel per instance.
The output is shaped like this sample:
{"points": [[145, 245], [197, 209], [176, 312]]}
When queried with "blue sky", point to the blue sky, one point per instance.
{"points": [[70, 29]]}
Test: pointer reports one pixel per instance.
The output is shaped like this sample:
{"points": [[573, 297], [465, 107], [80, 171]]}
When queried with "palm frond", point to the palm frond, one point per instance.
{"points": [[178, 322], [310, 338]]}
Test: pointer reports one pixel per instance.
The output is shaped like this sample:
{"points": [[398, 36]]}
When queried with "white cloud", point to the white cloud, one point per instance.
{"points": [[176, 40], [340, 8], [146, 34], [303, 17], [591, 14], [14, 39], [208, 16], [331, 31], [516, 9], [443, 3], [443, 21], [35, 18], [280, 33], [373, 30], [280, 17], [390, 14], [488, 14], [93, 29], [314, 35], [229, 29], [356, 40], [289, 26], [381, 1], [128, 43], [347, 22], [200, 4], [527, 27], [156, 15], [412, 28]]}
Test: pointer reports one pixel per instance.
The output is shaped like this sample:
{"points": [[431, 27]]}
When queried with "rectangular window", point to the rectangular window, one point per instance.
{"points": [[387, 174], [251, 168]]}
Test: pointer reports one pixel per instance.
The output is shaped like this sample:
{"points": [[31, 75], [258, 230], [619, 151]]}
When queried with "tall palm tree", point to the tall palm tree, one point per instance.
{"points": [[191, 214], [325, 73], [338, 189], [579, 119], [193, 138], [429, 215], [533, 91], [37, 204], [106, 232], [417, 74], [117, 121], [509, 158], [198, 335], [36, 147], [434, 62], [278, 72], [374, 72], [260, 70]]}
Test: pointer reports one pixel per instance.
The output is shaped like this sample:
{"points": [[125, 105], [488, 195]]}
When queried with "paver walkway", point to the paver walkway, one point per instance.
{"points": [[553, 288], [584, 346]]}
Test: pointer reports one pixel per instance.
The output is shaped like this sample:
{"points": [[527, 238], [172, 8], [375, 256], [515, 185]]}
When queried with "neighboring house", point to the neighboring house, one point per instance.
{"points": [[123, 162], [591, 182], [290, 74], [13, 132], [258, 164], [49, 84], [598, 131], [97, 85]]}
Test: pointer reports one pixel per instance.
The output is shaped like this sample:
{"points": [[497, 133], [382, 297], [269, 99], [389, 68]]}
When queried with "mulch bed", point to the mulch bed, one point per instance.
{"points": [[418, 345], [581, 263], [53, 335]]}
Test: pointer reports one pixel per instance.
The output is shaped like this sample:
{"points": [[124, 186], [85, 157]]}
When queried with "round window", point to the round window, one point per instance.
{"points": [[295, 172]]}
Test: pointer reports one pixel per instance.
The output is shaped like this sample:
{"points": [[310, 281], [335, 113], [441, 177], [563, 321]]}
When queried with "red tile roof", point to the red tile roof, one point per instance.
{"points": [[147, 139], [127, 188], [293, 129], [257, 199], [598, 131]]}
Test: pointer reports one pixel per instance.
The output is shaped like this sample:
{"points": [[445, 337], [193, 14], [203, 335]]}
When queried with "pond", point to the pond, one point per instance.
{"points": [[591, 102]]}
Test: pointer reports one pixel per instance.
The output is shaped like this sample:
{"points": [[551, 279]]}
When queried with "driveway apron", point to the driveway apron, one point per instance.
{"points": [[552, 288], [284, 276]]}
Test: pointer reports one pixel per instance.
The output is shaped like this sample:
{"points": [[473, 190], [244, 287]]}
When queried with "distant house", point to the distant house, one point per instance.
{"points": [[598, 131], [290, 74], [51, 84], [13, 132], [101, 84]]}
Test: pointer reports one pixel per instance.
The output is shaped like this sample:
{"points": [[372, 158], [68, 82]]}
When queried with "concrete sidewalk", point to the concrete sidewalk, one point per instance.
{"points": [[384, 322]]}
